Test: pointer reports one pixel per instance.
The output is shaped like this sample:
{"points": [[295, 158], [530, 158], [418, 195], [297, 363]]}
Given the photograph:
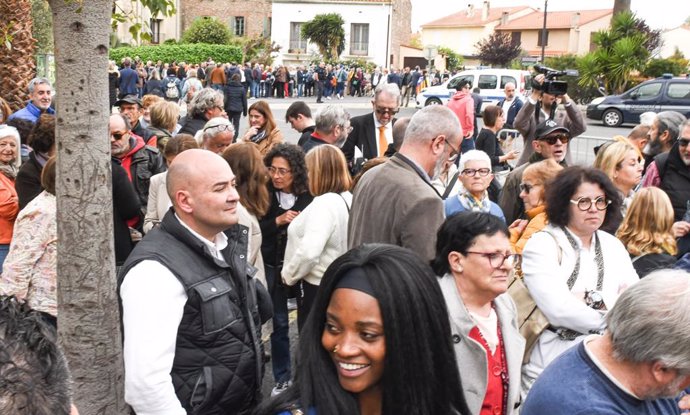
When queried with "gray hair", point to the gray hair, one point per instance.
{"points": [[670, 121], [399, 129], [328, 117], [214, 126], [683, 126], [9, 131], [430, 122], [650, 321], [389, 89], [38, 81], [204, 100], [473, 155]]}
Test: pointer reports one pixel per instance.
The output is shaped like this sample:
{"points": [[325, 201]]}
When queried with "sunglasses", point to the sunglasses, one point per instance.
{"points": [[683, 142], [118, 135], [524, 187], [551, 139], [384, 111]]}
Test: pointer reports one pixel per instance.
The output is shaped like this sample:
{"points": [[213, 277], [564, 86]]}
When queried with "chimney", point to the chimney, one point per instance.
{"points": [[485, 11], [504, 18], [470, 10], [575, 20]]}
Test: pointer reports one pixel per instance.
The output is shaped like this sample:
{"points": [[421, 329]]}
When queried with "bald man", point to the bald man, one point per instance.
{"points": [[189, 301]]}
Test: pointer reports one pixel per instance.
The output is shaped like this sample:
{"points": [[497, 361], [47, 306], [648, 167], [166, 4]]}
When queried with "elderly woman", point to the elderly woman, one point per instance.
{"points": [[159, 202], [535, 179], [146, 103], [9, 201], [318, 235], [573, 270], [262, 127], [30, 270], [622, 162], [164, 116], [358, 354], [474, 260], [476, 176], [42, 140], [647, 231]]}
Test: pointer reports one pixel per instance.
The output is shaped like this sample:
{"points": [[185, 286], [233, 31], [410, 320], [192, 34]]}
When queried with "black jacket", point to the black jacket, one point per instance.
{"points": [[274, 237], [192, 124], [217, 367], [675, 179], [146, 162], [28, 182], [125, 206], [235, 98]]}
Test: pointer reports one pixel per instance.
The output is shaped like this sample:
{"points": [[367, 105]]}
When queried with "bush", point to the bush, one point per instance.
{"points": [[205, 30], [658, 67], [191, 53]]}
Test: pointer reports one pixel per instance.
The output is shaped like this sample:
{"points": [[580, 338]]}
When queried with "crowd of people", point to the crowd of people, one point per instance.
{"points": [[434, 270]]}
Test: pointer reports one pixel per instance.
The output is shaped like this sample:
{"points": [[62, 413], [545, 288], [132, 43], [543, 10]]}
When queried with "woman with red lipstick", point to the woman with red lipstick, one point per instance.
{"points": [[574, 270], [474, 260], [373, 343]]}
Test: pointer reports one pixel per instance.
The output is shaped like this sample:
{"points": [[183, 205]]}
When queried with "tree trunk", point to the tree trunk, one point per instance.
{"points": [[88, 316], [620, 6], [17, 64]]}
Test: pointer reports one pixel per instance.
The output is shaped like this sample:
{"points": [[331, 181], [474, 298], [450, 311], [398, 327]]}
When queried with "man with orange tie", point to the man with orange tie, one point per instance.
{"points": [[372, 133]]}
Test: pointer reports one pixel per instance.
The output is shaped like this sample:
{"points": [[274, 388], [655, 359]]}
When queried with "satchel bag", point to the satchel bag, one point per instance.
{"points": [[531, 321]]}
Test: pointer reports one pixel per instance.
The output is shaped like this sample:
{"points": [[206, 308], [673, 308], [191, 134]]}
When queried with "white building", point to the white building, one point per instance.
{"points": [[678, 37], [371, 28], [160, 28]]}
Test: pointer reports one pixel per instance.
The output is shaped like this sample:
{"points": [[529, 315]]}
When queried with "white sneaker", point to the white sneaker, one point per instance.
{"points": [[328, 97], [280, 387]]}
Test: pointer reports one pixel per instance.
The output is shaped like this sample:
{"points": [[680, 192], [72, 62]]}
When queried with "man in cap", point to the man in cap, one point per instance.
{"points": [[130, 106]]}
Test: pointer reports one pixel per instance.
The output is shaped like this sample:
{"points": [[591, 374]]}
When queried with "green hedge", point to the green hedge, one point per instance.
{"points": [[190, 53]]}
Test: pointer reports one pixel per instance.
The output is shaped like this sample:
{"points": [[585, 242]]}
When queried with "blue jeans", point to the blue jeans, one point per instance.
{"points": [[300, 90], [280, 341], [255, 89], [4, 250]]}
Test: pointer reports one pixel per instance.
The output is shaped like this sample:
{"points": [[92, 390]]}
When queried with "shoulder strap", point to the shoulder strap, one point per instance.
{"points": [[560, 250], [450, 186], [345, 201]]}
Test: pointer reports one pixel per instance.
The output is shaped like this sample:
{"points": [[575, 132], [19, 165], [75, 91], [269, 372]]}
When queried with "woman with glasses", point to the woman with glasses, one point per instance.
{"points": [[573, 270], [262, 128], [474, 260], [476, 176], [288, 193], [535, 179], [622, 162], [318, 235]]}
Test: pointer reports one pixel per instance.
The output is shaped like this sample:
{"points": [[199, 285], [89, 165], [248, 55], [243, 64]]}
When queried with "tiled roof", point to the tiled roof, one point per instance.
{"points": [[554, 20], [461, 19]]}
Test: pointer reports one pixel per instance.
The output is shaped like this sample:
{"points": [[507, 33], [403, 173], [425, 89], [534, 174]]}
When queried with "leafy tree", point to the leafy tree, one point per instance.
{"points": [[327, 32], [258, 49], [580, 94], [676, 64], [498, 49], [137, 28], [211, 31], [43, 26], [197, 52], [453, 60]]}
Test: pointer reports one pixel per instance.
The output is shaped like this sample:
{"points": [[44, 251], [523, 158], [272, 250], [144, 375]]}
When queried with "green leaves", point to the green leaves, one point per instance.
{"points": [[498, 49], [327, 32], [197, 52], [453, 60], [207, 30]]}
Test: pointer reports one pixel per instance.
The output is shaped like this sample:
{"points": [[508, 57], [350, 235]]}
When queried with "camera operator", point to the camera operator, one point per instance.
{"points": [[541, 106]]}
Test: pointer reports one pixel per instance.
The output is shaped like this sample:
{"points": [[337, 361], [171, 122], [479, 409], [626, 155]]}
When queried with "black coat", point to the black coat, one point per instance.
{"points": [[125, 206], [235, 98], [28, 182], [113, 78]]}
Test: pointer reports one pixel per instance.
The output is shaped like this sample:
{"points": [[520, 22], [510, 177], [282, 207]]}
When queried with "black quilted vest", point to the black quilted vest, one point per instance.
{"points": [[675, 180], [217, 367]]}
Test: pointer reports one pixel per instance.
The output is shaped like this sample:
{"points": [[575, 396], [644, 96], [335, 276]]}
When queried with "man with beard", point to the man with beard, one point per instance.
{"points": [[396, 202], [332, 127], [40, 94], [662, 134], [639, 366]]}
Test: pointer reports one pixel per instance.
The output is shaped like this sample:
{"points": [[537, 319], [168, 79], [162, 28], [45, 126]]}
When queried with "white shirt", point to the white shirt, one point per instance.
{"points": [[506, 106], [150, 329], [388, 133]]}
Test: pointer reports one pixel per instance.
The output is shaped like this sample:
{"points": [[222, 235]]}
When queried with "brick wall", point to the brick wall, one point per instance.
{"points": [[256, 13], [401, 26]]}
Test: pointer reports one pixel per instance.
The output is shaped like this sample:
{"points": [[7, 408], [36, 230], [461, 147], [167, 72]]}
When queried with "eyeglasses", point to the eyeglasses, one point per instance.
{"points": [[279, 171], [118, 135], [497, 259], [348, 129], [683, 142], [221, 127], [524, 187], [384, 111], [585, 203], [455, 152], [551, 139], [472, 172]]}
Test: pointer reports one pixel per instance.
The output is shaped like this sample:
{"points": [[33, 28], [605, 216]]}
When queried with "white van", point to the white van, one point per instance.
{"points": [[491, 82]]}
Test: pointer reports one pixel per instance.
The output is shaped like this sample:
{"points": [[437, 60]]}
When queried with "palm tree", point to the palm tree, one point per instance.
{"points": [[326, 31], [17, 61]]}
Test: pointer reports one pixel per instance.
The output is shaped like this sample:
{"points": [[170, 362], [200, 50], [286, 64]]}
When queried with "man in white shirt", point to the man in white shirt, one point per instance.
{"points": [[511, 104], [189, 301]]}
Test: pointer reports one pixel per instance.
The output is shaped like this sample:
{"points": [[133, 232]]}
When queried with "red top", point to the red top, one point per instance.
{"points": [[494, 398]]}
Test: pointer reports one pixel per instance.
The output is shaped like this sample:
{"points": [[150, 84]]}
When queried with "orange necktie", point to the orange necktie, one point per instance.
{"points": [[383, 143]]}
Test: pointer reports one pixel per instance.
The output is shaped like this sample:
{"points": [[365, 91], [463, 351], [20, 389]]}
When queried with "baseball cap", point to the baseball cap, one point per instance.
{"points": [[547, 127], [128, 99]]}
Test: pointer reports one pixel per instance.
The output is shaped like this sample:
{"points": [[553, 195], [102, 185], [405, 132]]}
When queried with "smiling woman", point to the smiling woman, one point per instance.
{"points": [[356, 355], [9, 202]]}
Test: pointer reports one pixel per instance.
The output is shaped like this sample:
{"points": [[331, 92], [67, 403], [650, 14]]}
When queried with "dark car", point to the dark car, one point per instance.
{"points": [[661, 94]]}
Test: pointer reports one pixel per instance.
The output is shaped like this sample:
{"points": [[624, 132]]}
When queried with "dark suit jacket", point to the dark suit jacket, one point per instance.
{"points": [[512, 111], [364, 136]]}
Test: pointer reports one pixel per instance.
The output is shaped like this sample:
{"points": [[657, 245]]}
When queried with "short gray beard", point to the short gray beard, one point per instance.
{"points": [[438, 168]]}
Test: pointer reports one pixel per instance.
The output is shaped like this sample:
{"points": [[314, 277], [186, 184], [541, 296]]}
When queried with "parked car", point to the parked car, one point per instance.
{"points": [[491, 82], [665, 93]]}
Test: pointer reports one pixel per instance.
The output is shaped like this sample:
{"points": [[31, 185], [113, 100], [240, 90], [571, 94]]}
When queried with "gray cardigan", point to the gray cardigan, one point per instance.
{"points": [[471, 355]]}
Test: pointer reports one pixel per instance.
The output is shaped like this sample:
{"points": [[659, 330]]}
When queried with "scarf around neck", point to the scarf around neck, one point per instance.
{"points": [[471, 204]]}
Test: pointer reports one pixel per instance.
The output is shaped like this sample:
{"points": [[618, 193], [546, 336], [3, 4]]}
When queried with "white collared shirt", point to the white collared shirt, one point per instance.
{"points": [[153, 301]]}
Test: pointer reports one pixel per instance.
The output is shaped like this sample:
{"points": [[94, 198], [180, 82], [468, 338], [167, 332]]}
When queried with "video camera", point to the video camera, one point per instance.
{"points": [[551, 85]]}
